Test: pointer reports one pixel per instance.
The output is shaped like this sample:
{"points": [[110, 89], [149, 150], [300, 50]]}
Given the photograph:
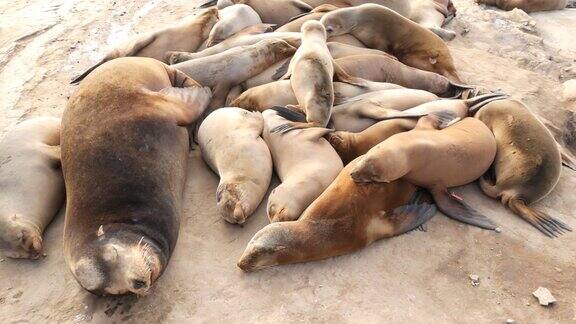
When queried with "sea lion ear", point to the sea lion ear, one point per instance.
{"points": [[110, 253], [100, 231]]}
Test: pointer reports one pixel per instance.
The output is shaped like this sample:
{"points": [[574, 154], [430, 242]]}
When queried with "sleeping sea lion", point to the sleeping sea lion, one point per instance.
{"points": [[276, 12], [31, 185], [432, 14], [436, 160], [304, 161], [381, 28], [185, 36], [346, 217], [124, 158], [231, 145], [527, 165], [233, 19], [530, 5]]}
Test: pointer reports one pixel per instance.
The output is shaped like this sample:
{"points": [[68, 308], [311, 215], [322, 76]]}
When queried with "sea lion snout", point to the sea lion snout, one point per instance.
{"points": [[19, 239], [229, 202]]}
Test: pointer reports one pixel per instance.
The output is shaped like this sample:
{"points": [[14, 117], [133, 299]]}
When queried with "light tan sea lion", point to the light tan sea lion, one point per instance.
{"points": [[311, 74], [253, 30], [124, 157], [360, 112], [223, 71], [185, 36], [346, 217], [381, 68], [233, 19], [276, 12], [245, 40], [31, 185], [340, 50], [280, 93], [530, 5], [304, 161], [351, 145], [527, 165], [432, 14], [436, 160], [381, 28], [231, 145]]}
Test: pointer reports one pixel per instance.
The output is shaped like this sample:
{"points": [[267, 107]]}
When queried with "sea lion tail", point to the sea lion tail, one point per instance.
{"points": [[476, 103], [455, 207], [546, 224], [207, 4]]}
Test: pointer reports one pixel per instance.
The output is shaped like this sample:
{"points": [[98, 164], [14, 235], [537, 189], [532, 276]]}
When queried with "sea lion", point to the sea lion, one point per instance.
{"points": [[436, 160], [381, 28], [223, 71], [245, 40], [253, 30], [280, 93], [233, 19], [340, 50], [231, 145], [527, 165], [432, 14], [185, 36], [124, 158], [276, 12], [381, 68], [346, 217], [311, 74], [351, 145], [304, 161], [530, 5], [31, 184], [402, 7], [360, 112]]}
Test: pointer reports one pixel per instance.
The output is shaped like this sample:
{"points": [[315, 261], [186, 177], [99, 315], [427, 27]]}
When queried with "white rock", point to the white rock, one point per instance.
{"points": [[475, 280], [544, 296]]}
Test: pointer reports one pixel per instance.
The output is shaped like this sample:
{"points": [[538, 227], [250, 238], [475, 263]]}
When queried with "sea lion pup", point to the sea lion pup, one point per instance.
{"points": [[351, 145], [186, 36], [125, 173], [360, 112], [530, 5], [231, 145], [346, 217], [31, 183], [304, 161], [432, 14], [179, 57], [436, 160], [381, 28], [276, 12], [280, 93], [232, 20], [223, 71], [527, 165], [311, 74], [381, 68]]}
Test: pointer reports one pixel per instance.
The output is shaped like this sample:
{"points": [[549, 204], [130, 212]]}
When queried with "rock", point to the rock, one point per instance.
{"points": [[544, 296], [510, 321], [498, 229], [475, 280]]}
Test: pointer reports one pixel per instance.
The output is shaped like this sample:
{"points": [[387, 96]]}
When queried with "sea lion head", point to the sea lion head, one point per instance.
{"points": [[208, 18], [339, 22], [20, 239], [118, 263], [282, 206], [313, 27], [273, 245]]}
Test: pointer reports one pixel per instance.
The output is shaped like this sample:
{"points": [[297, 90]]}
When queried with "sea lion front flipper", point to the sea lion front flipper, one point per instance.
{"points": [[283, 72], [412, 216], [207, 4], [546, 224], [194, 99], [455, 207], [341, 75]]}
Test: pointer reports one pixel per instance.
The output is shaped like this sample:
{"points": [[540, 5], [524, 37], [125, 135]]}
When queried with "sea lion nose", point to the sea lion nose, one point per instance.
{"points": [[329, 29], [138, 284]]}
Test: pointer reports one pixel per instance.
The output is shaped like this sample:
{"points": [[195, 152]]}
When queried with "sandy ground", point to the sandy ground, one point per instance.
{"points": [[418, 277]]}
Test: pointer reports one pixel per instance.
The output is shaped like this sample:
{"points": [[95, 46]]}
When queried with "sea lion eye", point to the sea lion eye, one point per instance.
{"points": [[138, 284]]}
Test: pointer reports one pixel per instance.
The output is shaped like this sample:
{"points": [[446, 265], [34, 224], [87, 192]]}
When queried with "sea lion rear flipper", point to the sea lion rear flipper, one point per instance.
{"points": [[341, 75], [568, 159], [412, 216], [455, 207], [207, 4], [379, 114], [546, 224], [474, 104], [194, 99], [438, 120], [302, 5], [283, 72]]}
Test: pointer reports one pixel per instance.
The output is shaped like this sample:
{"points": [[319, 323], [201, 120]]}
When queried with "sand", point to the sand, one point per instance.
{"points": [[418, 277]]}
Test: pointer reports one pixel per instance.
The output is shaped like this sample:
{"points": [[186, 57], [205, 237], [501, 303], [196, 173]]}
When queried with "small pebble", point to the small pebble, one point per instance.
{"points": [[510, 321], [528, 304], [544, 296], [475, 280], [498, 230], [1, 260]]}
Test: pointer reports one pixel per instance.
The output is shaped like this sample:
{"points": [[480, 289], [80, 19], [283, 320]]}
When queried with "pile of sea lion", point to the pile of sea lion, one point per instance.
{"points": [[356, 105]]}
